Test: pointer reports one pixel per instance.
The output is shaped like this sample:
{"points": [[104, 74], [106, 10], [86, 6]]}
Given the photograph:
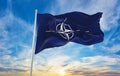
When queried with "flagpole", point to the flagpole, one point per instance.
{"points": [[33, 43]]}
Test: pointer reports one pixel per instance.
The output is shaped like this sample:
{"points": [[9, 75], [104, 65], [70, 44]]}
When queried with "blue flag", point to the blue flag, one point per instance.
{"points": [[58, 30]]}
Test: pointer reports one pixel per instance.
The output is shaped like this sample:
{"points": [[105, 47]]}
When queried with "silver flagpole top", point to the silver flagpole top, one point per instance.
{"points": [[36, 10]]}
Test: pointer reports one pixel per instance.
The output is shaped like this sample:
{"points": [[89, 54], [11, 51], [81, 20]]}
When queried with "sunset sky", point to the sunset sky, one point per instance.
{"points": [[16, 31]]}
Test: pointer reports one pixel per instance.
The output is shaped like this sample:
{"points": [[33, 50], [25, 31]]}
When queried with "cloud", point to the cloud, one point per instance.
{"points": [[93, 65], [51, 63], [100, 60], [112, 49], [85, 62], [3, 69], [14, 48]]}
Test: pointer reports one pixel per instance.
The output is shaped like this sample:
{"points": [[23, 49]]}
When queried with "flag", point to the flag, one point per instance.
{"points": [[58, 30]]}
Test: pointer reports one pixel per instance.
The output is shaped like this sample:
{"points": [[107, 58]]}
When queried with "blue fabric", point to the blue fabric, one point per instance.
{"points": [[58, 30]]}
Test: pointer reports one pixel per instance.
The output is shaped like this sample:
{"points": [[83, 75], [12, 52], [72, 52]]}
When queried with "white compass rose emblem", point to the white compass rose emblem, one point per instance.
{"points": [[65, 30]]}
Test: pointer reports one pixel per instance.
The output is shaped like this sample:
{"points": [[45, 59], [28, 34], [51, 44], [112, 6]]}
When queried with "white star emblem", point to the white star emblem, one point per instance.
{"points": [[65, 30]]}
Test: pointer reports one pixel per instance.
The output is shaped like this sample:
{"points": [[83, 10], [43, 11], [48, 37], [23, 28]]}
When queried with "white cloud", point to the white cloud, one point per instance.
{"points": [[13, 30], [99, 64], [84, 65], [112, 49], [101, 60]]}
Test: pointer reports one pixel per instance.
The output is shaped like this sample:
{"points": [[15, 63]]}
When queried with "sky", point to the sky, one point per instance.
{"points": [[16, 31]]}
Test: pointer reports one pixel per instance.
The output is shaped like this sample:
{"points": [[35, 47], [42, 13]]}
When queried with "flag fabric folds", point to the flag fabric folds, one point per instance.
{"points": [[58, 30]]}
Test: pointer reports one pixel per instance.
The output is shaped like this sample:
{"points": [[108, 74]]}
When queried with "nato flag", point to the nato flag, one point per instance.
{"points": [[58, 30]]}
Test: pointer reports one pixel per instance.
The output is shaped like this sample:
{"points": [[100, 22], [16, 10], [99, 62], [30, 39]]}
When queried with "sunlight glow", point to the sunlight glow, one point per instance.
{"points": [[61, 72]]}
